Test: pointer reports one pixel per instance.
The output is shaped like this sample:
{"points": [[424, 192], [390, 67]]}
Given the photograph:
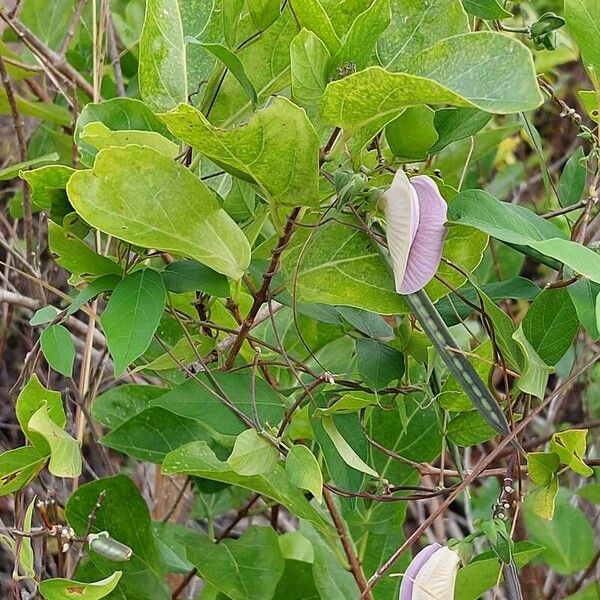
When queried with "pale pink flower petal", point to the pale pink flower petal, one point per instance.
{"points": [[426, 249], [408, 579], [402, 219]]}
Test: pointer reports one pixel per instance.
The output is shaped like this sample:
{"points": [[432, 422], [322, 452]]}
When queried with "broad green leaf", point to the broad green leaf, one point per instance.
{"points": [[48, 184], [118, 404], [309, 60], [76, 256], [468, 428], [99, 136], [304, 588], [568, 539], [33, 397], [190, 276], [162, 67], [535, 373], [67, 589], [18, 169], [572, 179], [372, 98], [65, 454], [359, 43], [196, 399], [44, 315], [486, 9], [132, 315], [48, 21], [312, 16], [151, 434], [378, 364], [38, 110], [199, 460], [454, 124], [263, 12], [252, 454], [158, 214], [235, 66], [18, 467], [350, 457], [58, 348], [371, 324], [505, 221], [278, 149], [303, 471], [590, 491], [570, 446], [416, 25], [583, 21], [184, 352], [93, 289], [551, 324], [543, 499], [542, 467], [483, 573], [412, 134], [122, 506], [248, 568], [118, 114]]}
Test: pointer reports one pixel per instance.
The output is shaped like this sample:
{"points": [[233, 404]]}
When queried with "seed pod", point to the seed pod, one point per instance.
{"points": [[104, 545]]}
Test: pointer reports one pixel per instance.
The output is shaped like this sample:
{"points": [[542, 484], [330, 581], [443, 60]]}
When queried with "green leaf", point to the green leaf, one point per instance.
{"points": [[505, 221], [67, 589], [366, 322], [184, 352], [48, 184], [33, 397], [278, 149], [158, 214], [190, 276], [303, 471], [199, 460], [551, 324], [49, 22], [235, 66], [350, 457], [543, 499], [132, 315], [590, 491], [417, 25], [583, 20], [454, 124], [231, 15], [65, 454], [378, 364], [309, 60], [196, 399], [76, 256], [347, 404], [372, 98], [312, 16], [535, 373], [151, 434], [120, 403], [248, 568], [44, 315], [413, 133], [542, 467], [93, 289], [468, 428], [38, 110], [483, 573], [58, 349], [162, 66], [25, 554], [568, 539], [118, 114], [570, 446], [486, 9], [252, 454], [263, 12], [589, 592], [18, 467], [572, 179], [13, 170], [99, 136], [122, 506]]}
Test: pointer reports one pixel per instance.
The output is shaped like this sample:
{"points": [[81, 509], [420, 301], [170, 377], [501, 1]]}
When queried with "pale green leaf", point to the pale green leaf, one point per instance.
{"points": [[18, 467], [132, 315], [543, 499], [534, 378], [162, 66], [583, 21], [303, 470], [253, 455], [542, 467], [65, 454], [172, 210], [44, 111], [278, 149], [67, 589], [12, 171], [58, 348], [570, 446], [309, 65], [412, 134], [312, 16]]}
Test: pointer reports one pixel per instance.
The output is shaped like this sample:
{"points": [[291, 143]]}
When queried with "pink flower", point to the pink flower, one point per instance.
{"points": [[415, 215], [431, 575]]}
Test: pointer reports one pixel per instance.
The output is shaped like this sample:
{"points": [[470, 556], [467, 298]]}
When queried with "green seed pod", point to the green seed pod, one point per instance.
{"points": [[104, 545]]}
